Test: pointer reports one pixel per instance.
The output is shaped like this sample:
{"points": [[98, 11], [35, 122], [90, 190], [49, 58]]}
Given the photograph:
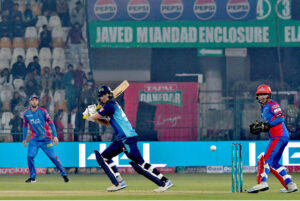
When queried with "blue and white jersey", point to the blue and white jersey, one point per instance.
{"points": [[118, 120]]}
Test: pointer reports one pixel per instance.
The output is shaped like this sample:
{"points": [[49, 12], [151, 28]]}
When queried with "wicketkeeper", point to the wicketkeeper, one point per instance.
{"points": [[273, 123], [126, 141]]}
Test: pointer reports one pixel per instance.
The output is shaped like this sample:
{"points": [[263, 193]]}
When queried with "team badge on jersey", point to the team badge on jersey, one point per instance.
{"points": [[277, 110], [171, 9], [205, 9], [238, 9], [105, 9], [138, 9]]}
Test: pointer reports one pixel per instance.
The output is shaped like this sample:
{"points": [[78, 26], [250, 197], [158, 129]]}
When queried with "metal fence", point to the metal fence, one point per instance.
{"points": [[226, 119], [229, 119]]}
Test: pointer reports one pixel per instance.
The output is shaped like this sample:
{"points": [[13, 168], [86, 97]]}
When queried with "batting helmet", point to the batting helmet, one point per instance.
{"points": [[104, 90], [263, 89]]}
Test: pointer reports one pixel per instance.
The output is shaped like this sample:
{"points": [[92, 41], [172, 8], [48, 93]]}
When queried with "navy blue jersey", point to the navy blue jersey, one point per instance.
{"points": [[118, 120]]}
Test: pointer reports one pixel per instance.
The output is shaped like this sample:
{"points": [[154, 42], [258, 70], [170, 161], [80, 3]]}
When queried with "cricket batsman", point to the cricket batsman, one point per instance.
{"points": [[126, 141], [39, 121], [273, 123]]}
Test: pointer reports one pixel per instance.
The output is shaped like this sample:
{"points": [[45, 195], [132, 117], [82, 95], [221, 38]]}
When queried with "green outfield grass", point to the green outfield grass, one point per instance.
{"points": [[88, 187]]}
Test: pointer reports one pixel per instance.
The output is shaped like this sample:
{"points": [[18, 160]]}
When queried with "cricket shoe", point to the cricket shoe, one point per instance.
{"points": [[160, 189], [66, 179], [263, 186], [30, 180], [292, 187], [118, 187]]}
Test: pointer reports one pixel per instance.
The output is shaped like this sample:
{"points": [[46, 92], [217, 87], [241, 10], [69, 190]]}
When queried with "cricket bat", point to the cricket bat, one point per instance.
{"points": [[116, 92], [120, 89]]}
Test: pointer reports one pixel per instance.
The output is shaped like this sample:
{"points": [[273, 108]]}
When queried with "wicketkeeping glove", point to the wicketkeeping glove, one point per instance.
{"points": [[259, 127]]}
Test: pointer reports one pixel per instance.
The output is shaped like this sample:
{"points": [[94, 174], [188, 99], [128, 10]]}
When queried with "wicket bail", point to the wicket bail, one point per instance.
{"points": [[237, 168]]}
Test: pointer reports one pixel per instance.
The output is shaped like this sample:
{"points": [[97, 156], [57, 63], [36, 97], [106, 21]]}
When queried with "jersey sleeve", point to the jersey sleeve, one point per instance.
{"points": [[48, 118], [25, 121], [108, 109], [25, 125], [50, 122], [276, 110], [277, 115]]}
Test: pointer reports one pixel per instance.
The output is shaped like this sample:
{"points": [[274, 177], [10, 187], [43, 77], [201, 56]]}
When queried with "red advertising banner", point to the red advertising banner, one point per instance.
{"points": [[21, 170], [175, 107]]}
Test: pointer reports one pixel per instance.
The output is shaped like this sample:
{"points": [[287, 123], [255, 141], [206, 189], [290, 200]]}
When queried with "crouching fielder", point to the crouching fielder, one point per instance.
{"points": [[126, 141], [273, 122]]}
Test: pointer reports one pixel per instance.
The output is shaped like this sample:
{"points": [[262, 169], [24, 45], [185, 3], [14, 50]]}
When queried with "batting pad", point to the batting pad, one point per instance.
{"points": [[260, 167], [276, 173], [148, 173], [107, 168]]}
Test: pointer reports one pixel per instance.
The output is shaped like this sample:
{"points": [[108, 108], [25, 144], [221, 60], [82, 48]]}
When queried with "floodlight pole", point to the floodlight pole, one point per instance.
{"points": [[200, 81]]}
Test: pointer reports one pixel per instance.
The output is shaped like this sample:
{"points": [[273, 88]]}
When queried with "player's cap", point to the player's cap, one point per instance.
{"points": [[34, 96]]}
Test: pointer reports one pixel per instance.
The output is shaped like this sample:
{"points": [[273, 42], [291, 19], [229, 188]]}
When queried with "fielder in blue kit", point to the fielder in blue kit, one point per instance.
{"points": [[273, 123], [126, 141], [39, 122]]}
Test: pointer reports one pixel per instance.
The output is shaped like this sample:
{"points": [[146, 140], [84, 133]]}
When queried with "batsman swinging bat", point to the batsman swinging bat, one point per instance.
{"points": [[116, 92]]}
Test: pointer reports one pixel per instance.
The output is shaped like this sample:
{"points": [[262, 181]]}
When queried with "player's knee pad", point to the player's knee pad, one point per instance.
{"points": [[109, 168], [281, 174], [149, 172]]}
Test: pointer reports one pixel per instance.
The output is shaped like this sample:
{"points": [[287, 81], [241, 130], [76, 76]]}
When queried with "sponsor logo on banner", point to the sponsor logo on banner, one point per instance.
{"points": [[293, 168], [291, 154], [130, 170], [205, 9], [171, 9], [196, 169], [246, 169], [138, 9], [238, 9], [21, 170], [161, 94], [105, 9], [215, 169], [86, 155]]}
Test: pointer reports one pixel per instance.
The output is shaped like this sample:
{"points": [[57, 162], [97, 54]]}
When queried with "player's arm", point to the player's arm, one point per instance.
{"points": [[100, 115], [276, 121], [24, 130], [103, 121], [52, 126], [98, 118], [277, 113]]}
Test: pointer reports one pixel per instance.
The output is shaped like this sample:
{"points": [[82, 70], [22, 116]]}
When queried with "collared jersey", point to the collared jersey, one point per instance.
{"points": [[39, 123], [118, 120], [272, 113]]}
